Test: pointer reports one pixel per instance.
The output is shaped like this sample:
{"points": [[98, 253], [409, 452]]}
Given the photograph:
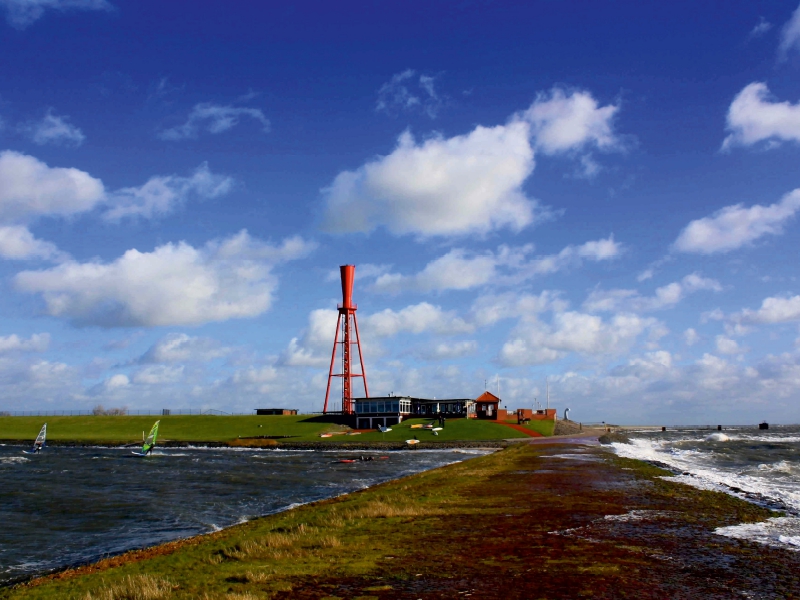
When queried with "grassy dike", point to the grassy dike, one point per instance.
{"points": [[524, 522], [241, 430]]}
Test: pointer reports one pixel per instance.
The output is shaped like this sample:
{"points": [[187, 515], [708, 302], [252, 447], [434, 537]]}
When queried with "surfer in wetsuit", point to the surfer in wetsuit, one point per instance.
{"points": [[37, 448]]}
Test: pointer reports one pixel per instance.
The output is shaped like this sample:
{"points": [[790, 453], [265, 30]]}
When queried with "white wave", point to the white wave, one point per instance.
{"points": [[13, 459], [717, 437], [780, 532], [698, 472]]}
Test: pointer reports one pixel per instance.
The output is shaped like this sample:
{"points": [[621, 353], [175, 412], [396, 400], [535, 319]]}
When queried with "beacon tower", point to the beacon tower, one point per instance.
{"points": [[346, 324]]}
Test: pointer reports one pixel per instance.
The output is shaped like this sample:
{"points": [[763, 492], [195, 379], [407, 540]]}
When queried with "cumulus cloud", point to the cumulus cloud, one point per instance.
{"points": [[461, 269], [563, 123], [175, 284], [755, 117], [665, 297], [726, 345], [38, 342], [29, 189], [18, 243], [773, 310], [313, 347], [418, 318], [491, 308], [53, 129], [790, 35], [691, 337], [161, 194], [449, 350], [213, 118], [466, 184], [407, 91], [183, 348], [21, 13], [535, 342], [735, 226], [158, 375]]}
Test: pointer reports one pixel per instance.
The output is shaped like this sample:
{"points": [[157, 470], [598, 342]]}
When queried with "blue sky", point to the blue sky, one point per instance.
{"points": [[601, 194]]}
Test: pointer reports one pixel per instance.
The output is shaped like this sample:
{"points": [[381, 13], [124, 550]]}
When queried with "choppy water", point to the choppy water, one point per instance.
{"points": [[760, 466], [74, 505]]}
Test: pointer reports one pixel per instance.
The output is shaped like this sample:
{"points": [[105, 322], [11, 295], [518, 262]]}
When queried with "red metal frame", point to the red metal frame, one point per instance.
{"points": [[347, 312]]}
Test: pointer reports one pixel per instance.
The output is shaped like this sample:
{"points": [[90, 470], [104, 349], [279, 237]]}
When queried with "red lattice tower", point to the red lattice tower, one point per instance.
{"points": [[347, 315]]}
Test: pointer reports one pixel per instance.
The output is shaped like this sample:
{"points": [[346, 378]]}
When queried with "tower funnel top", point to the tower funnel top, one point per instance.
{"points": [[348, 273]]}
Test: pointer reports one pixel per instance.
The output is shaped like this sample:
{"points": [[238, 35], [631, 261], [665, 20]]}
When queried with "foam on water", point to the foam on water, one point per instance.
{"points": [[761, 468]]}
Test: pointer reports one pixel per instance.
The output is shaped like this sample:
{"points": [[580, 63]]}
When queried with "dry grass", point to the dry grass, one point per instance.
{"points": [[134, 587], [380, 509]]}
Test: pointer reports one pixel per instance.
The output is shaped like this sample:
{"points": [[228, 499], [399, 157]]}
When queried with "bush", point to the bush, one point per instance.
{"points": [[99, 411]]}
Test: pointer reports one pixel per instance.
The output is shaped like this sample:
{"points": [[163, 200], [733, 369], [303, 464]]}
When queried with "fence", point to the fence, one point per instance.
{"points": [[133, 413]]}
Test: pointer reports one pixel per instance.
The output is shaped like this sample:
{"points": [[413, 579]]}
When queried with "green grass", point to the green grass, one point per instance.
{"points": [[178, 427], [454, 430], [200, 428]]}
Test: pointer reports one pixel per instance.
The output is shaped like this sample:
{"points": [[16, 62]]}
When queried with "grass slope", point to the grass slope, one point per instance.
{"points": [[516, 524], [128, 429]]}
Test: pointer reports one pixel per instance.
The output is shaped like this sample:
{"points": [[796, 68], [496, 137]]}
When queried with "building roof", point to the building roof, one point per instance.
{"points": [[487, 397]]}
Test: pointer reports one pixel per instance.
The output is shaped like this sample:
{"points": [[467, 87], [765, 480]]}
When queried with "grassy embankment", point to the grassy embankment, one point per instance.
{"points": [[197, 428], [521, 523]]}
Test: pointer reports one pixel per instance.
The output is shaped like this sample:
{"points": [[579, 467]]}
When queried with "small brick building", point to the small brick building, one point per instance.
{"points": [[487, 406]]}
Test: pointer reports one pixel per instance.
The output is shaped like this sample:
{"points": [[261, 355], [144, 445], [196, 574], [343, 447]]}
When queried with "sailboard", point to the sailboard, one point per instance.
{"points": [[150, 442], [40, 441], [383, 429]]}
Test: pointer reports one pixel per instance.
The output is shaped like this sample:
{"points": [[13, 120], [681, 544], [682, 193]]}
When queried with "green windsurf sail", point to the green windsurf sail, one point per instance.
{"points": [[150, 442]]}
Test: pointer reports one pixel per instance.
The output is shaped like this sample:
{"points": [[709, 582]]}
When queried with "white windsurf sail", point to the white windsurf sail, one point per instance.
{"points": [[40, 439]]}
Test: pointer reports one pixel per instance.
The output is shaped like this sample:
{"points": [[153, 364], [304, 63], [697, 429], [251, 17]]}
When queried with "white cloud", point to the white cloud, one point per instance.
{"points": [[773, 310], [21, 13], [454, 186], [53, 129], [418, 318], [726, 345], [461, 269], [762, 27], [175, 284], [158, 375], [213, 118], [161, 194], [447, 351], [691, 337], [790, 35], [405, 91], [489, 309], [535, 342], [665, 297], [735, 226], [116, 382], [754, 117], [29, 188], [466, 184], [562, 123], [18, 243], [38, 342], [183, 348], [313, 347]]}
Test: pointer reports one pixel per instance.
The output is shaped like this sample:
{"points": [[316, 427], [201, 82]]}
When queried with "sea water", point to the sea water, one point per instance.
{"points": [[68, 506], [761, 466]]}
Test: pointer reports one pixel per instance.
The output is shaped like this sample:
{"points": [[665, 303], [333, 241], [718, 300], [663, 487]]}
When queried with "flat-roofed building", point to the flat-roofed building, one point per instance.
{"points": [[386, 411], [276, 411]]}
